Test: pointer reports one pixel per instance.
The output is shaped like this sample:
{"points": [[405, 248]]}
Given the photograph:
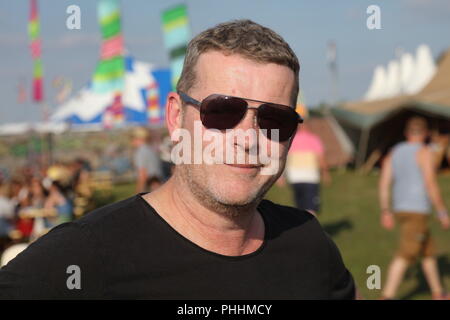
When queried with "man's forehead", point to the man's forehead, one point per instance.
{"points": [[235, 74]]}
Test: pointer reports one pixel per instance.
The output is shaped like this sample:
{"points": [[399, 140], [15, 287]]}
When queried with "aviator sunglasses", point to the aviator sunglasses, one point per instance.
{"points": [[223, 112]]}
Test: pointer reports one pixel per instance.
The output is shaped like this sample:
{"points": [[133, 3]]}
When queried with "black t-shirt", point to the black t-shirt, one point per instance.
{"points": [[127, 251]]}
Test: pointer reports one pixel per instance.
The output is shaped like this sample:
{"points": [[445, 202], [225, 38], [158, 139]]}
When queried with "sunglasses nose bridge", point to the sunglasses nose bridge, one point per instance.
{"points": [[254, 115]]}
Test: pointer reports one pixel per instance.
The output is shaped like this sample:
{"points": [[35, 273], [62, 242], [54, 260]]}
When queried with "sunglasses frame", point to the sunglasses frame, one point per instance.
{"points": [[186, 98]]}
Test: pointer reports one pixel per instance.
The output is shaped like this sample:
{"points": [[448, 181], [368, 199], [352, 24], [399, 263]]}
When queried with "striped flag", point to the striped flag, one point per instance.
{"points": [[109, 74], [175, 26], [153, 108], [110, 71], [35, 48]]}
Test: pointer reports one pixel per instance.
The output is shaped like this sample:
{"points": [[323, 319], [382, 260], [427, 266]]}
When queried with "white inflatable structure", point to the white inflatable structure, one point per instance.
{"points": [[424, 70], [408, 75], [88, 104]]}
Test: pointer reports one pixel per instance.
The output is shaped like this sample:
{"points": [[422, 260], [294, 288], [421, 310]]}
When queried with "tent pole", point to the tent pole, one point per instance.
{"points": [[362, 148]]}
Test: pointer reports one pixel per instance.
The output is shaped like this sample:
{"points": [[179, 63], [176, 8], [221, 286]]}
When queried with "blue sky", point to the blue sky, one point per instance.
{"points": [[306, 25]]}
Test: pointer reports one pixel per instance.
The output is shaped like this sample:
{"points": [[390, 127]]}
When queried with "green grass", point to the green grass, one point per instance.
{"points": [[350, 214]]}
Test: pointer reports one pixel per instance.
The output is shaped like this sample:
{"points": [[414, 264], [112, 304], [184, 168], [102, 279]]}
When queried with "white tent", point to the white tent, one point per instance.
{"points": [[408, 75], [378, 84], [407, 68], [392, 87], [424, 70], [19, 128]]}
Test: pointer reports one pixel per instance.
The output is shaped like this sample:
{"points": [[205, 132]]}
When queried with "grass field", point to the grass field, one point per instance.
{"points": [[350, 214]]}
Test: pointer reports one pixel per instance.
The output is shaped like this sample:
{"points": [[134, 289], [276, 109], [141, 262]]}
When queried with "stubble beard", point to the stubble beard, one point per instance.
{"points": [[190, 177]]}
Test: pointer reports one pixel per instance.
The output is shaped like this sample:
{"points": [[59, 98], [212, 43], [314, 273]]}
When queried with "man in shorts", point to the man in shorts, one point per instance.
{"points": [[410, 168]]}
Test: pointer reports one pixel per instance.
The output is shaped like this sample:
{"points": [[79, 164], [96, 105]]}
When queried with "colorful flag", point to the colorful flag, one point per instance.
{"points": [[110, 71], [35, 48], [109, 74], [114, 114], [63, 87], [153, 108], [175, 26], [21, 92]]}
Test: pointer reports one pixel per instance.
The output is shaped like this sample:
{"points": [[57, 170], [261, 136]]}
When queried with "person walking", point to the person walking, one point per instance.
{"points": [[410, 169]]}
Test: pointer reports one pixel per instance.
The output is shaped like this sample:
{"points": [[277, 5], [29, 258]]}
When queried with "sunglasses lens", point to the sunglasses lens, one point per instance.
{"points": [[277, 117], [221, 112]]}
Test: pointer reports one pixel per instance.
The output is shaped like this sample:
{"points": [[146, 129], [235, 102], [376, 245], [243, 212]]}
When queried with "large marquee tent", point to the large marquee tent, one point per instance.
{"points": [[87, 108]]}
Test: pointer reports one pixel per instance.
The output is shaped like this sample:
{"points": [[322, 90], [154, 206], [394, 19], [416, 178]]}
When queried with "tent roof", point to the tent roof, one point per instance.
{"points": [[437, 91], [433, 98]]}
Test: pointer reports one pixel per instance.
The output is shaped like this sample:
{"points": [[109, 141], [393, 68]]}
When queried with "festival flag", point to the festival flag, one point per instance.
{"points": [[35, 48], [114, 114], [21, 92], [63, 87], [153, 108], [175, 25], [109, 74], [110, 71]]}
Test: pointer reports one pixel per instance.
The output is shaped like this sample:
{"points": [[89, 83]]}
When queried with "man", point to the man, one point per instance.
{"points": [[306, 166], [146, 159], [206, 233], [410, 168]]}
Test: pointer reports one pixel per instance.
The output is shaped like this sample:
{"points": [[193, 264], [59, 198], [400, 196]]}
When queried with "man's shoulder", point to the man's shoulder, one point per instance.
{"points": [[121, 210], [299, 227], [284, 211], [399, 145], [285, 218]]}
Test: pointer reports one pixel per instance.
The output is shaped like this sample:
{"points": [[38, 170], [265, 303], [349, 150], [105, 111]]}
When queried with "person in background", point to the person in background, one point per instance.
{"points": [[410, 169], [80, 184], [146, 160], [440, 144], [37, 193], [153, 183], [306, 166], [6, 214], [58, 201], [166, 161], [21, 195]]}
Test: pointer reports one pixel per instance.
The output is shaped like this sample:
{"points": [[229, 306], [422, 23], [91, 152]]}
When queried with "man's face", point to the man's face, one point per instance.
{"points": [[226, 183]]}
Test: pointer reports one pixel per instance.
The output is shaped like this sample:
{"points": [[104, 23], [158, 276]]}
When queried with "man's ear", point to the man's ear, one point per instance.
{"points": [[173, 112]]}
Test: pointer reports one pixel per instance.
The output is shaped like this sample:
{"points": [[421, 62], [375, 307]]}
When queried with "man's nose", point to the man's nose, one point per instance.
{"points": [[249, 120], [249, 127]]}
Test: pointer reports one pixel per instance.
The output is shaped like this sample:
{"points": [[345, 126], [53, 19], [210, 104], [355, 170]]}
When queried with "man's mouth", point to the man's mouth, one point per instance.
{"points": [[244, 165], [243, 168]]}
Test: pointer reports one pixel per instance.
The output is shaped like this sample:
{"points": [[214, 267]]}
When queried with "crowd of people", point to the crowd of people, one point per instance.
{"points": [[35, 200], [35, 197]]}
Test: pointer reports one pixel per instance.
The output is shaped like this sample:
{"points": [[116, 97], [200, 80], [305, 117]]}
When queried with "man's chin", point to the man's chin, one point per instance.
{"points": [[237, 198]]}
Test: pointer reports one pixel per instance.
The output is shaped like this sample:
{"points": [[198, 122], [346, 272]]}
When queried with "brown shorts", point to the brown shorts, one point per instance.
{"points": [[415, 237]]}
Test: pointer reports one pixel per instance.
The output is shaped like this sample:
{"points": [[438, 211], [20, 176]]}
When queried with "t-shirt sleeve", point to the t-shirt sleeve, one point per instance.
{"points": [[342, 284], [63, 264]]}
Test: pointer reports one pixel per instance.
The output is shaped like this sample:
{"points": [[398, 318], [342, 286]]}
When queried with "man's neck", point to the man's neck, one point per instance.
{"points": [[216, 232]]}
